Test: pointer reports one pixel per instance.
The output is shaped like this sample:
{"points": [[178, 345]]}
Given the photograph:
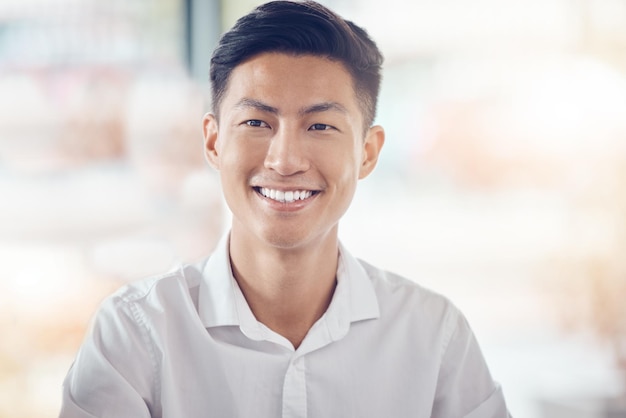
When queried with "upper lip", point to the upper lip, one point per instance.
{"points": [[285, 184], [286, 187]]}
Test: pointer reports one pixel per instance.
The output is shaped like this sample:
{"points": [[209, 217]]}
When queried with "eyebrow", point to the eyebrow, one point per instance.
{"points": [[316, 108], [256, 104], [323, 107]]}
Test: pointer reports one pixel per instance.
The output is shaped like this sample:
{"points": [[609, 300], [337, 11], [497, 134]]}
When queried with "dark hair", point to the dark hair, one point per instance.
{"points": [[300, 28]]}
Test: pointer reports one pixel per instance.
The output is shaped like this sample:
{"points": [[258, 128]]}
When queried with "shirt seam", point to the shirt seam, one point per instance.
{"points": [[143, 326], [450, 331], [132, 300]]}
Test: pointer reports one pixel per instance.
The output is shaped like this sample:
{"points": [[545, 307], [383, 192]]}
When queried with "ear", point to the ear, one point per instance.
{"points": [[374, 140], [210, 131]]}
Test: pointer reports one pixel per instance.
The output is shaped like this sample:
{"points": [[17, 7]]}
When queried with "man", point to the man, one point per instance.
{"points": [[281, 320]]}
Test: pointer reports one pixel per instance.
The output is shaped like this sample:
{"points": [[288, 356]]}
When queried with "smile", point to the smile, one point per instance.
{"points": [[285, 196]]}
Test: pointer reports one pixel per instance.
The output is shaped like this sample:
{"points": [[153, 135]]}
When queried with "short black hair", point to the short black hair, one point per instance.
{"points": [[300, 28]]}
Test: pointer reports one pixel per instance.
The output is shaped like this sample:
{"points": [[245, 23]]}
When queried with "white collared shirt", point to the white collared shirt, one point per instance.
{"points": [[187, 345]]}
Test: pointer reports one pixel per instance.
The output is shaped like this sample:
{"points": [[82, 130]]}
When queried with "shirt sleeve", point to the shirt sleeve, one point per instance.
{"points": [[465, 387], [113, 373]]}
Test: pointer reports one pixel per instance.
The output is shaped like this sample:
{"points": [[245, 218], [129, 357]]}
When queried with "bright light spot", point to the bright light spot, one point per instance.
{"points": [[572, 107]]}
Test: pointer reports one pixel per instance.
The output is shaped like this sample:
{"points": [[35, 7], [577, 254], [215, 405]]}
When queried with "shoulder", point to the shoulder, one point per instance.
{"points": [[403, 301], [397, 288], [176, 287]]}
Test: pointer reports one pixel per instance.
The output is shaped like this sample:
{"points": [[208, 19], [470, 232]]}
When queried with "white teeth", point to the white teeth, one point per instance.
{"points": [[289, 196]]}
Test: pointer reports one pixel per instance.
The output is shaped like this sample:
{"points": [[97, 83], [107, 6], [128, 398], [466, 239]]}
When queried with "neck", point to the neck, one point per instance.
{"points": [[288, 290]]}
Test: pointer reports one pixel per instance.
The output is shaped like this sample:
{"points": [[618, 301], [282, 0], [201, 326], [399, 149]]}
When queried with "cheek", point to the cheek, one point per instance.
{"points": [[346, 164], [240, 154], [341, 168]]}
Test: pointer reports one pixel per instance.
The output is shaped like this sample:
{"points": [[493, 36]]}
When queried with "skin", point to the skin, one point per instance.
{"points": [[289, 123]]}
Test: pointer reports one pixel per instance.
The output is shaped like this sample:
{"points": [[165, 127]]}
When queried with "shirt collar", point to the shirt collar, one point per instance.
{"points": [[217, 299], [221, 302], [363, 302]]}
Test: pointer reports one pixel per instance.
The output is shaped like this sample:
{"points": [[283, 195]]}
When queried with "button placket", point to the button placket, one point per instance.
{"points": [[294, 389]]}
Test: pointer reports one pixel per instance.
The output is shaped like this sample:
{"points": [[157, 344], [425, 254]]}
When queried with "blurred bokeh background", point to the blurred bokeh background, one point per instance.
{"points": [[502, 183]]}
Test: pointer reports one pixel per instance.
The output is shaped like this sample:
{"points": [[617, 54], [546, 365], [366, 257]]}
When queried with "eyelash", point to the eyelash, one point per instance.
{"points": [[324, 125], [257, 123]]}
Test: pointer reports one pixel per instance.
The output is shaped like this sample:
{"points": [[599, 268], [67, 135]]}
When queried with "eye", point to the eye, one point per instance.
{"points": [[256, 123], [320, 127]]}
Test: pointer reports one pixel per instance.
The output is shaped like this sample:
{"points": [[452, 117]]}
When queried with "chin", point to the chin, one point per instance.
{"points": [[298, 239], [285, 241]]}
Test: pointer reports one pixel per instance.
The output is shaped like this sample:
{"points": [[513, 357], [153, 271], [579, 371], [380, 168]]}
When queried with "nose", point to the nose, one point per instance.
{"points": [[286, 153]]}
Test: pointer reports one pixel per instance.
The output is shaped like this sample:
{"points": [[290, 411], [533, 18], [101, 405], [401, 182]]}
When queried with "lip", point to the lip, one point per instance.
{"points": [[293, 206]]}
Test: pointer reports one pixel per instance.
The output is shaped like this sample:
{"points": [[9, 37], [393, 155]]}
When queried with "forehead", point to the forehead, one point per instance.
{"points": [[285, 80]]}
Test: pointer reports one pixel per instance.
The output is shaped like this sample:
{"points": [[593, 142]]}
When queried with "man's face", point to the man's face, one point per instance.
{"points": [[290, 148]]}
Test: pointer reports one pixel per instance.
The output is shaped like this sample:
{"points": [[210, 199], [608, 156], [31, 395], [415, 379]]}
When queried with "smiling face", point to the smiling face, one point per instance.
{"points": [[290, 148]]}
